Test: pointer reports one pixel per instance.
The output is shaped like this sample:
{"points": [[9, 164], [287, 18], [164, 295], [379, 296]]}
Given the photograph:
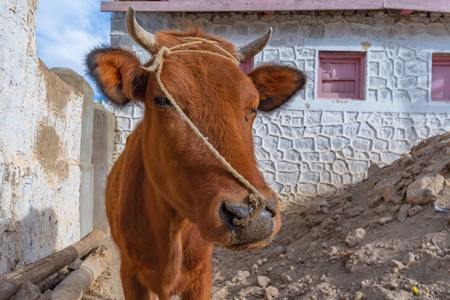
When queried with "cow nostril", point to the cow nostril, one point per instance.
{"points": [[236, 215], [247, 224], [238, 211], [230, 212]]}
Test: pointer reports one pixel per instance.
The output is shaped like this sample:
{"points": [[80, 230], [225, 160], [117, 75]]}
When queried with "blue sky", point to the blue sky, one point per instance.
{"points": [[67, 29]]}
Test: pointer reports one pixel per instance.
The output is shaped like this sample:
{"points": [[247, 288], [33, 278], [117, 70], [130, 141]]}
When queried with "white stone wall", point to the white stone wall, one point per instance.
{"points": [[40, 120], [317, 146]]}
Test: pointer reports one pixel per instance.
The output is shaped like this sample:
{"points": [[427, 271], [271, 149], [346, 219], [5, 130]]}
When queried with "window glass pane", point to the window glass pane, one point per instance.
{"points": [[339, 70], [347, 87], [440, 86]]}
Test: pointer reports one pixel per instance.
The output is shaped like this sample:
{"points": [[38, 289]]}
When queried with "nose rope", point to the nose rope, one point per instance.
{"points": [[257, 201]]}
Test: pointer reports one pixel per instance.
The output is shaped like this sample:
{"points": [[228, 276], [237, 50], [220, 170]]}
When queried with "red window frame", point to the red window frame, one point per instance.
{"points": [[325, 87], [440, 78], [246, 66]]}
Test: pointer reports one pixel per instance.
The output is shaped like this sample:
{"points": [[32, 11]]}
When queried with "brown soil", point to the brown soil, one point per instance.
{"points": [[381, 239]]}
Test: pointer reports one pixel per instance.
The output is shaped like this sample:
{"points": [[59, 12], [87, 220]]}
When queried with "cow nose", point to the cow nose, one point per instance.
{"points": [[249, 224]]}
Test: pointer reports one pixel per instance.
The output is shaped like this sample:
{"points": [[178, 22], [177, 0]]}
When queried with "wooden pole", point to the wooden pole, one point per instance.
{"points": [[40, 270], [77, 282]]}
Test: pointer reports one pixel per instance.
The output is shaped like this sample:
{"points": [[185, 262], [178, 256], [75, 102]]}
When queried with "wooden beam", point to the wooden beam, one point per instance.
{"points": [[40, 270], [236, 6], [421, 5], [274, 5]]}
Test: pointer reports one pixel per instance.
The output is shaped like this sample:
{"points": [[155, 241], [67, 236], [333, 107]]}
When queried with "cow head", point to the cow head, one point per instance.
{"points": [[223, 103]]}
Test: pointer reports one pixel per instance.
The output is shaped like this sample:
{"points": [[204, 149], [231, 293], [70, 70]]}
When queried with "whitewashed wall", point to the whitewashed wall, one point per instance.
{"points": [[317, 146], [40, 121]]}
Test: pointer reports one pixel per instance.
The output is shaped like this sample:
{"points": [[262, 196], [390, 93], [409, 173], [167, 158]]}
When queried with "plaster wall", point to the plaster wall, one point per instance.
{"points": [[315, 147], [40, 121]]}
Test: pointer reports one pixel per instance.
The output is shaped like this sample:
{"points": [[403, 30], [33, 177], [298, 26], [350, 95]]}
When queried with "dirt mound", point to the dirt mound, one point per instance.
{"points": [[385, 238]]}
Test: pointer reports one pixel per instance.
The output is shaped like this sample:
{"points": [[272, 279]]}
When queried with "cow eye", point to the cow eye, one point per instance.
{"points": [[247, 117], [161, 101]]}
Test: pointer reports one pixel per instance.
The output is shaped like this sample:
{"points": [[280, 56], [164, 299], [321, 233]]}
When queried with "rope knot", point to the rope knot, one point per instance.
{"points": [[255, 200], [165, 51]]}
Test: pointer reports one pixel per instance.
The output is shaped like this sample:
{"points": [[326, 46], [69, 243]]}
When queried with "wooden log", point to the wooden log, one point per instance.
{"points": [[40, 270], [51, 282], [77, 282]]}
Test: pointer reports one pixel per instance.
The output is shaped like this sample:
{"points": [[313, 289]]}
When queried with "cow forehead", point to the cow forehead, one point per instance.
{"points": [[212, 80]]}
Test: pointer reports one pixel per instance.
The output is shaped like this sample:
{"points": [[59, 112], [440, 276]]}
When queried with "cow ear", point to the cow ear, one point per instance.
{"points": [[118, 74], [276, 85]]}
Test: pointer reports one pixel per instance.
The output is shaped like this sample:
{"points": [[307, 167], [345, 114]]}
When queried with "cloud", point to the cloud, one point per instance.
{"points": [[66, 30]]}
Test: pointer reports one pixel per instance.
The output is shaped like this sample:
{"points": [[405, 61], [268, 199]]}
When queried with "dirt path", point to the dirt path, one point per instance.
{"points": [[380, 239]]}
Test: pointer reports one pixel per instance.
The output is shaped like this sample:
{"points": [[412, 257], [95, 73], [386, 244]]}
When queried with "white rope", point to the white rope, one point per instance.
{"points": [[256, 199]]}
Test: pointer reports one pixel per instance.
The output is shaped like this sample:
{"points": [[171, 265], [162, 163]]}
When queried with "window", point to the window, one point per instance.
{"points": [[440, 78], [246, 66], [341, 75]]}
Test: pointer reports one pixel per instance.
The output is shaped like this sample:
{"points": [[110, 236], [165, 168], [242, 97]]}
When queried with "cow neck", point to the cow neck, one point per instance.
{"points": [[256, 199]]}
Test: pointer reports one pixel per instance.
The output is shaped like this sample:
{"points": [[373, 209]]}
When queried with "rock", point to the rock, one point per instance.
{"points": [[312, 247], [424, 189], [375, 201], [443, 198], [314, 209], [29, 291], [406, 161], [245, 273], [390, 194], [373, 169], [353, 211], [381, 209], [393, 285], [359, 295], [286, 278], [355, 236], [384, 220], [416, 209], [398, 264], [255, 268], [270, 293], [408, 258], [277, 251], [262, 281], [241, 276], [324, 203], [403, 212], [75, 265]]}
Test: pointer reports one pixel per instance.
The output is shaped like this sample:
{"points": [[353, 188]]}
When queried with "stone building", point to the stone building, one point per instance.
{"points": [[378, 81]]}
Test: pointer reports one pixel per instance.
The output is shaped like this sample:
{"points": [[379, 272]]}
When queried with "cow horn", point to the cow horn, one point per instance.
{"points": [[144, 38], [254, 47]]}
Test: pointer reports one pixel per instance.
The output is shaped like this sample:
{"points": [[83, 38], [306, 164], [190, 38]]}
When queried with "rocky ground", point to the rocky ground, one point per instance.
{"points": [[385, 238]]}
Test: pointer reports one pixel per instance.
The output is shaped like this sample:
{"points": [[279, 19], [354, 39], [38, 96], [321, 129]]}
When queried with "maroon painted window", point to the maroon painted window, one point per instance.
{"points": [[440, 78], [247, 65], [341, 75]]}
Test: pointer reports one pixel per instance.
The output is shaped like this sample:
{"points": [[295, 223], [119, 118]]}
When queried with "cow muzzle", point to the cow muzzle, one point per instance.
{"points": [[250, 226]]}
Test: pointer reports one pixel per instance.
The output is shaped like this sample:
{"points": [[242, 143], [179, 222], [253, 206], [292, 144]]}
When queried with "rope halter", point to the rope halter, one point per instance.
{"points": [[257, 201]]}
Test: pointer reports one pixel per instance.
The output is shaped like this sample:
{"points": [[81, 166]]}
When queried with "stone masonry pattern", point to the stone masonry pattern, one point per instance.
{"points": [[315, 147]]}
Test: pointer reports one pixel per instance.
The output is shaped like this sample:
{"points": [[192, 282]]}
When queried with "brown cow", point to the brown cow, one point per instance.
{"points": [[168, 198]]}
